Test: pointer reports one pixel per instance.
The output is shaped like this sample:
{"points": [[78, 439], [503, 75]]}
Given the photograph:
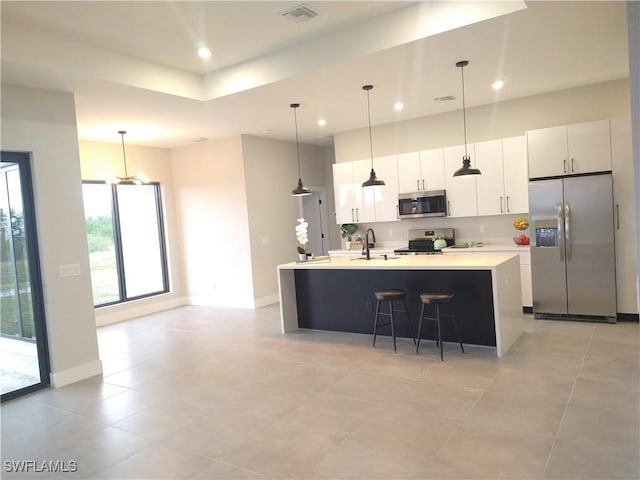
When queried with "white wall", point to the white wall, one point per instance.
{"points": [[271, 173], [211, 207], [489, 122], [43, 123], [99, 161]]}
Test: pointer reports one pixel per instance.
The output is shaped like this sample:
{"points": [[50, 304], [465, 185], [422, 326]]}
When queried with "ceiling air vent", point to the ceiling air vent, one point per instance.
{"points": [[446, 98], [299, 14]]}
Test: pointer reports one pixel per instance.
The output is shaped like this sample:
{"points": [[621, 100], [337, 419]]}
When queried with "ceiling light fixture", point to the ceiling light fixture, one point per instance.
{"points": [[372, 181], [138, 179], [466, 168], [398, 106], [299, 191], [497, 85], [322, 122], [204, 52]]}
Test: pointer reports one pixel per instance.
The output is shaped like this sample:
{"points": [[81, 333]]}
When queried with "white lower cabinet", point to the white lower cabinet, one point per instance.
{"points": [[461, 191]]}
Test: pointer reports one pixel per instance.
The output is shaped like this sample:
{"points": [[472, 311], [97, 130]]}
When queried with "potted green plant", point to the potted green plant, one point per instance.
{"points": [[348, 230]]}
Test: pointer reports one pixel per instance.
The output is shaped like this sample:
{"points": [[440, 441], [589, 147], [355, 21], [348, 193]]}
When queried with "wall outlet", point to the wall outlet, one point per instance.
{"points": [[482, 228]]}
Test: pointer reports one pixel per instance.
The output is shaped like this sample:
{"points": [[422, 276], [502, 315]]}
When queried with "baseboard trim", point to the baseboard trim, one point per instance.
{"points": [[75, 374], [267, 300], [129, 311], [527, 309], [628, 317]]}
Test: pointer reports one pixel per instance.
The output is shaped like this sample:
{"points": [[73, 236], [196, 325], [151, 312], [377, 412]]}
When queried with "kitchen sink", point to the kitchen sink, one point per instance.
{"points": [[378, 257]]}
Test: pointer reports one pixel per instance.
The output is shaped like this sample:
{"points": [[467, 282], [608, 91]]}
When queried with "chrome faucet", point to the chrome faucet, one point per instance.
{"points": [[365, 247]]}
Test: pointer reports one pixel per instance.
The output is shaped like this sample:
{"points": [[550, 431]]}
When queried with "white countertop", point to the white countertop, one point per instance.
{"points": [[408, 262]]}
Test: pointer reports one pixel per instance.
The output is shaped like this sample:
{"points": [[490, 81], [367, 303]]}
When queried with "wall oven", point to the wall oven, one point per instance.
{"points": [[422, 204]]}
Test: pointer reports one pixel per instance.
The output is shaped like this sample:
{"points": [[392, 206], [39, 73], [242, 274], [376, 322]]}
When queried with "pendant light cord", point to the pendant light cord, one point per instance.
{"points": [[124, 155], [369, 118], [295, 119], [464, 115]]}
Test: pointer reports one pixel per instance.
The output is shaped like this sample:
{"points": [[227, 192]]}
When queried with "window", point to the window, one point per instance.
{"points": [[125, 235]]}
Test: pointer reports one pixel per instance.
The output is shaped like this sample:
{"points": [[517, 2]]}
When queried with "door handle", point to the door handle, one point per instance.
{"points": [[501, 209], [560, 232], [508, 209], [617, 216], [567, 230]]}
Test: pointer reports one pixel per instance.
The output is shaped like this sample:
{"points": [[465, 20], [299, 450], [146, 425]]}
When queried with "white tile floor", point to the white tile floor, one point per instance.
{"points": [[213, 393]]}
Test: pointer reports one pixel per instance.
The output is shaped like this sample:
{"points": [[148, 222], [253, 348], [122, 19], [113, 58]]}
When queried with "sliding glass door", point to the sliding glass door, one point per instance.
{"points": [[24, 361]]}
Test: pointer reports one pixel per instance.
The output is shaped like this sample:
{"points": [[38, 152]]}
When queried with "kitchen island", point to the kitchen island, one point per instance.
{"points": [[337, 294]]}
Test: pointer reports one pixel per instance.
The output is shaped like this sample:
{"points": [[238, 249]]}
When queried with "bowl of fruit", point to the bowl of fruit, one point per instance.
{"points": [[521, 224], [521, 240]]}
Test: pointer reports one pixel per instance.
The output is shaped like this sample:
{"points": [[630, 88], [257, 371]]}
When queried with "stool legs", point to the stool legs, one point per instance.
{"points": [[392, 322], [436, 320]]}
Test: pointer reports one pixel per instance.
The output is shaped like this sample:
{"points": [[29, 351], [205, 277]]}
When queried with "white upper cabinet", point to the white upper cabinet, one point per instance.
{"points": [[490, 184], [569, 149], [625, 215], [386, 197], [409, 172], [419, 171], [355, 204], [461, 191], [516, 182], [352, 203], [432, 169]]}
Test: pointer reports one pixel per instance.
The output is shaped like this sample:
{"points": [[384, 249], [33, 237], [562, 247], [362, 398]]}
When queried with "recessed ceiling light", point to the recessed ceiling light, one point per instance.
{"points": [[204, 52], [322, 122], [199, 139], [446, 98], [497, 85], [398, 106]]}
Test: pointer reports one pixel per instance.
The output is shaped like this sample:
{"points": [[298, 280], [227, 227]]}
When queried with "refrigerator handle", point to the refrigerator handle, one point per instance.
{"points": [[560, 230], [567, 230]]}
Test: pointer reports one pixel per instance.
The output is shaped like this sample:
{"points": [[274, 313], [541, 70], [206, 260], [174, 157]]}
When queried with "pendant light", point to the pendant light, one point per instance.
{"points": [[372, 181], [127, 179], [466, 168], [299, 191]]}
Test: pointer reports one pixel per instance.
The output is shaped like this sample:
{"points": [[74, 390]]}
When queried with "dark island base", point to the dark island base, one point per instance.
{"points": [[343, 300]]}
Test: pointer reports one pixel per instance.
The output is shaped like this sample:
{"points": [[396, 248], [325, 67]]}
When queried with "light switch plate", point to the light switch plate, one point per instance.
{"points": [[69, 270]]}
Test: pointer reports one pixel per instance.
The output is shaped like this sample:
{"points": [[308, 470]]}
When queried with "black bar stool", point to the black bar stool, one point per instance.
{"points": [[391, 295], [437, 299]]}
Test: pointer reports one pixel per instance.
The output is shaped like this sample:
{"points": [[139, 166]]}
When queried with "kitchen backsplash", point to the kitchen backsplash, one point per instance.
{"points": [[487, 229]]}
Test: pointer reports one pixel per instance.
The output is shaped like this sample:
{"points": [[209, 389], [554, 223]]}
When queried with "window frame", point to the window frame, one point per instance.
{"points": [[117, 238]]}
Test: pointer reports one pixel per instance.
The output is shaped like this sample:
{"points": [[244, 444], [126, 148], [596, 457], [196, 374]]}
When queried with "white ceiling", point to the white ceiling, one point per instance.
{"points": [[133, 66]]}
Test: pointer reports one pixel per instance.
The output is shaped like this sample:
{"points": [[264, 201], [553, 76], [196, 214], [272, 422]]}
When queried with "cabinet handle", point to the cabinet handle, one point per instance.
{"points": [[564, 165], [423, 183], [357, 214], [508, 209], [448, 208], [398, 212], [501, 209], [572, 164], [617, 216], [353, 217], [417, 184]]}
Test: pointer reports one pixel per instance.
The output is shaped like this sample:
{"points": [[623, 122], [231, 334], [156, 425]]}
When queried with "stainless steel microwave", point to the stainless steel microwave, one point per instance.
{"points": [[422, 204]]}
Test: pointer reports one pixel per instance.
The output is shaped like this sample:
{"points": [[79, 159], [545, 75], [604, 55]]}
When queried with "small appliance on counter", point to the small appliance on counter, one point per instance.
{"points": [[427, 241]]}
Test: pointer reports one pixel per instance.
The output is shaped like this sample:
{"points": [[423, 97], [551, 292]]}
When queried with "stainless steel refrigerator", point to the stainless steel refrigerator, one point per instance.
{"points": [[572, 249]]}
